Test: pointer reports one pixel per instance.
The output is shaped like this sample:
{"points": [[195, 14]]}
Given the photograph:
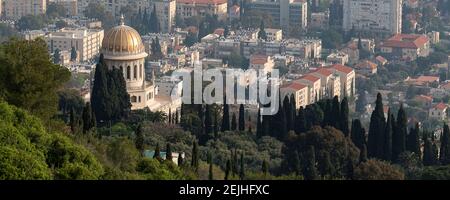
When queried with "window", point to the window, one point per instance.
{"points": [[128, 72], [135, 72], [140, 71], [133, 99], [139, 99]]}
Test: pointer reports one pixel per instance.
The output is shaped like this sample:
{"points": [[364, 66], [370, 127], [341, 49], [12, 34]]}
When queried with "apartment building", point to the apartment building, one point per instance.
{"points": [[166, 11], [406, 46], [314, 87], [347, 79], [300, 92], [191, 8], [15, 9], [285, 13], [383, 16], [71, 6], [87, 42]]}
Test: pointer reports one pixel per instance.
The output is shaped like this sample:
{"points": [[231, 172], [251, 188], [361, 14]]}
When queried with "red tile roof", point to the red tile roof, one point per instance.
{"points": [[341, 68], [310, 77], [440, 106], [202, 1], [219, 31], [428, 79], [381, 59], [323, 71], [446, 86], [408, 41], [294, 86], [366, 65]]}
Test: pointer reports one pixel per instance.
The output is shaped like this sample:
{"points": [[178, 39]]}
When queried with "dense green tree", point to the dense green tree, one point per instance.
{"points": [[361, 102], [262, 33], [228, 169], [154, 26], [226, 118], [265, 167], [399, 136], [296, 165], [56, 56], [376, 137], [326, 168], [331, 39], [310, 170], [168, 152], [55, 10], [259, 127], [157, 154], [336, 113], [388, 131], [344, 117], [31, 22], [378, 170], [242, 168], [413, 141], [444, 155], [429, 156], [156, 50], [28, 78], [210, 172], [363, 154], [195, 156], [88, 116], [208, 120], [300, 121], [233, 122], [358, 134], [241, 118], [288, 111], [96, 10], [139, 140], [73, 54]]}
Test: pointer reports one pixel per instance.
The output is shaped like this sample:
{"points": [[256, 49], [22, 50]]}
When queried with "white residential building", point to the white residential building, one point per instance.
{"points": [[373, 15]]}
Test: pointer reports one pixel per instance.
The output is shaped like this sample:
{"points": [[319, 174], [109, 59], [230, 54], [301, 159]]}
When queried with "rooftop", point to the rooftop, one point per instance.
{"points": [[410, 41]]}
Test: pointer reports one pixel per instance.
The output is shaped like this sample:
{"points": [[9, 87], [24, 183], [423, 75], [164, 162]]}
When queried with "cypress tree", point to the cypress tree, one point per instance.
{"points": [[241, 118], [100, 95], [235, 163], [335, 114], [428, 154], [363, 154], [293, 113], [279, 123], [216, 125], [358, 134], [195, 156], [375, 147], [325, 166], [288, 113], [328, 113], [259, 129], [73, 54], [139, 141], [227, 170], [157, 154], [170, 116], [180, 161], [242, 172], [73, 121], [176, 117], [388, 137], [154, 26], [226, 118], [168, 152], [262, 33], [233, 123], [310, 171], [300, 125], [344, 119], [296, 166], [413, 141], [210, 175], [57, 56], [208, 120], [444, 155], [399, 137], [265, 167]]}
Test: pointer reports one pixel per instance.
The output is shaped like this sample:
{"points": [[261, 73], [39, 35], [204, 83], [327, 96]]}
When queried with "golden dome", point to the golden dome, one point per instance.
{"points": [[122, 40]]}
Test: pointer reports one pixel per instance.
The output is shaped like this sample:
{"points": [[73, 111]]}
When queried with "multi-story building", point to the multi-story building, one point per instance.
{"points": [[347, 79], [439, 112], [191, 8], [314, 87], [15, 9], [305, 49], [87, 42], [166, 11], [262, 62], [319, 20], [300, 92], [285, 13], [406, 46], [330, 83], [273, 34], [71, 6], [338, 58], [383, 16]]}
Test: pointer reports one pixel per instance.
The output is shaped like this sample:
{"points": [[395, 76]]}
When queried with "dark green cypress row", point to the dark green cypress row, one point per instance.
{"points": [[293, 113], [413, 141], [344, 119], [444, 156], [376, 130], [388, 137], [288, 112], [195, 156], [139, 141], [259, 126], [242, 172], [300, 124], [335, 113], [358, 134], [168, 152], [157, 154], [228, 169], [310, 171], [399, 137], [226, 118], [241, 118], [233, 123], [100, 94]]}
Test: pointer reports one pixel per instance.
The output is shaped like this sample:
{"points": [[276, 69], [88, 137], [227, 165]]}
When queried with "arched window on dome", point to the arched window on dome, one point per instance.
{"points": [[133, 99], [140, 71], [135, 72], [128, 72]]}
